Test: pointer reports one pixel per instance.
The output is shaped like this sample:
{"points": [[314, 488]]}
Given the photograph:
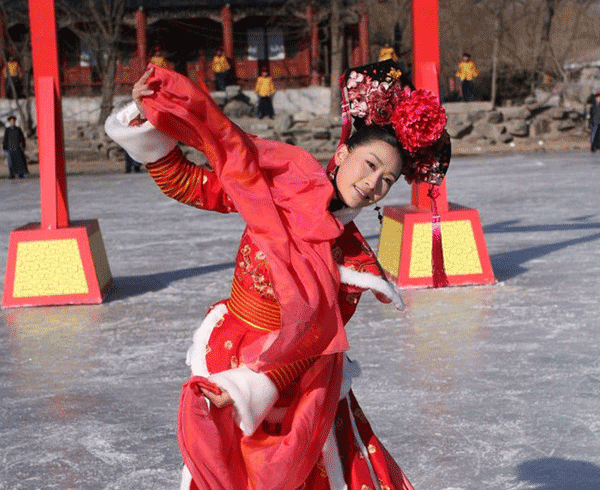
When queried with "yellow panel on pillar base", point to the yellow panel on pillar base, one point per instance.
{"points": [[405, 246], [56, 267]]}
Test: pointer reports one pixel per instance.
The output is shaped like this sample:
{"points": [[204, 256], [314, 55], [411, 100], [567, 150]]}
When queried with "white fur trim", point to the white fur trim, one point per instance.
{"points": [[143, 143], [333, 464], [370, 281], [253, 394], [196, 355], [350, 371], [186, 479]]}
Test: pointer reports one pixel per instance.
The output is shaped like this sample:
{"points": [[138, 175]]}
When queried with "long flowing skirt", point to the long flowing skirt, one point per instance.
{"points": [[352, 457]]}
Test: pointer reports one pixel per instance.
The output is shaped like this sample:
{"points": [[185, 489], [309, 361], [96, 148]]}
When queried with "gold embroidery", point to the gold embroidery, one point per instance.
{"points": [[371, 449], [228, 344]]}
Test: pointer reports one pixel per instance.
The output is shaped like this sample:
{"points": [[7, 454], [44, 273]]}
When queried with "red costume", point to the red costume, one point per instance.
{"points": [[276, 345]]}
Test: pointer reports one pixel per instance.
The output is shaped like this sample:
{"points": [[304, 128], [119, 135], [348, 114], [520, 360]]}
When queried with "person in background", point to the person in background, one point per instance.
{"points": [[14, 146], [466, 72], [387, 53], [594, 123], [13, 76], [130, 164], [158, 58], [220, 67], [265, 88]]}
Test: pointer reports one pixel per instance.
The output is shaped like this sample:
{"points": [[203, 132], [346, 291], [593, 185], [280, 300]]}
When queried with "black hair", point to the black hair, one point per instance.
{"points": [[369, 133]]}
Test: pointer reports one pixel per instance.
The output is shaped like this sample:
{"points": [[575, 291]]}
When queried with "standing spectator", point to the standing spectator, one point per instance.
{"points": [[13, 76], [130, 164], [594, 123], [220, 66], [466, 73], [387, 53], [265, 88], [14, 146], [158, 58]]}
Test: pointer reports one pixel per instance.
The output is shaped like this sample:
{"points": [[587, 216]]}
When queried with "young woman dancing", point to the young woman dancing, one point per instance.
{"points": [[268, 405]]}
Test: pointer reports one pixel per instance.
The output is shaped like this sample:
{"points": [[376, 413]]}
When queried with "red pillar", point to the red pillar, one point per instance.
{"points": [[227, 19], [142, 43], [426, 69], [53, 262], [457, 245], [53, 183], [363, 35]]}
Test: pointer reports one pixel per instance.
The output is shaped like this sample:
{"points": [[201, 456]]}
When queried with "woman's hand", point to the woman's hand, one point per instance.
{"points": [[142, 89], [219, 401]]}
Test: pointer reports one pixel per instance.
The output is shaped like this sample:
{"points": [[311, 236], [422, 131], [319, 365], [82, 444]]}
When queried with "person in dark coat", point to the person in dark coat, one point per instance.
{"points": [[14, 146], [595, 123]]}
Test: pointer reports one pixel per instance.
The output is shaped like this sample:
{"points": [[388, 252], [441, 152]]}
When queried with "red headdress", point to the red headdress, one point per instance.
{"points": [[380, 94]]}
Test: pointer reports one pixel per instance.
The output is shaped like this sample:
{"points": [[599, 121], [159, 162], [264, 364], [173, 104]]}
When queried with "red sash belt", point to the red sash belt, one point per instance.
{"points": [[257, 312]]}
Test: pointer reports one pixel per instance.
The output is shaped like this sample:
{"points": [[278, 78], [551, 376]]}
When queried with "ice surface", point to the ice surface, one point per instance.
{"points": [[471, 388]]}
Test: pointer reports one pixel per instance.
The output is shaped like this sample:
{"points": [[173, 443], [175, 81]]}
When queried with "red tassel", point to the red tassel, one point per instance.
{"points": [[440, 279]]}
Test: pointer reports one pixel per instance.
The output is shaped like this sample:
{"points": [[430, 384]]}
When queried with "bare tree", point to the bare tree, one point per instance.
{"points": [[19, 46], [337, 43], [98, 23]]}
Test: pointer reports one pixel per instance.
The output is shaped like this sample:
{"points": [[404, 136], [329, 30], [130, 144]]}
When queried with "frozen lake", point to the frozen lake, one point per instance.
{"points": [[470, 388]]}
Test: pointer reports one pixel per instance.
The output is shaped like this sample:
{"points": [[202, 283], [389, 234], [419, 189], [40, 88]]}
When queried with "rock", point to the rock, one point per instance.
{"points": [[557, 113], [322, 135], [517, 127], [238, 108], [566, 125], [530, 99], [458, 128], [303, 116], [489, 130], [283, 123], [505, 137], [540, 126], [510, 113], [476, 116], [494, 117]]}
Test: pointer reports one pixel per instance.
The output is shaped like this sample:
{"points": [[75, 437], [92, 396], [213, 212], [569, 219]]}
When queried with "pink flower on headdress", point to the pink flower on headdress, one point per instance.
{"points": [[354, 79], [382, 102], [418, 120]]}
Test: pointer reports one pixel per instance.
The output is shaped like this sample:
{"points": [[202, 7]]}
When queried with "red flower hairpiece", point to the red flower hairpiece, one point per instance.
{"points": [[380, 95], [418, 119]]}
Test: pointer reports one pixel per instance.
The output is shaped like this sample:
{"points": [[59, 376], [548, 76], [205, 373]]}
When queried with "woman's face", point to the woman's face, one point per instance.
{"points": [[367, 173]]}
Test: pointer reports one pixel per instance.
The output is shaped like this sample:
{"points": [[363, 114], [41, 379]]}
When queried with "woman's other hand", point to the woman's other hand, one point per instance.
{"points": [[142, 89], [220, 401]]}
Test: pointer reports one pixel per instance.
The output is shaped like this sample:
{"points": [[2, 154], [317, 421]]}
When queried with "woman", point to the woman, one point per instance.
{"points": [[269, 359]]}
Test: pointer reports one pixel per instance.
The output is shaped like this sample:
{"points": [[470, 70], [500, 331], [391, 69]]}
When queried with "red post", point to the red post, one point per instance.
{"points": [[363, 35], [227, 19], [426, 69], [142, 43], [53, 182]]}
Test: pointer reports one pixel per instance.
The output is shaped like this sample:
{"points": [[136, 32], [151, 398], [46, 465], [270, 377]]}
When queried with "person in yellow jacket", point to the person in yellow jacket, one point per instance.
{"points": [[387, 53], [265, 88], [158, 58], [220, 67], [466, 73], [13, 77]]}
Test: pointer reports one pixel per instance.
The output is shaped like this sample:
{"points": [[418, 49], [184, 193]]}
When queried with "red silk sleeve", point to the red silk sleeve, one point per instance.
{"points": [[188, 183]]}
